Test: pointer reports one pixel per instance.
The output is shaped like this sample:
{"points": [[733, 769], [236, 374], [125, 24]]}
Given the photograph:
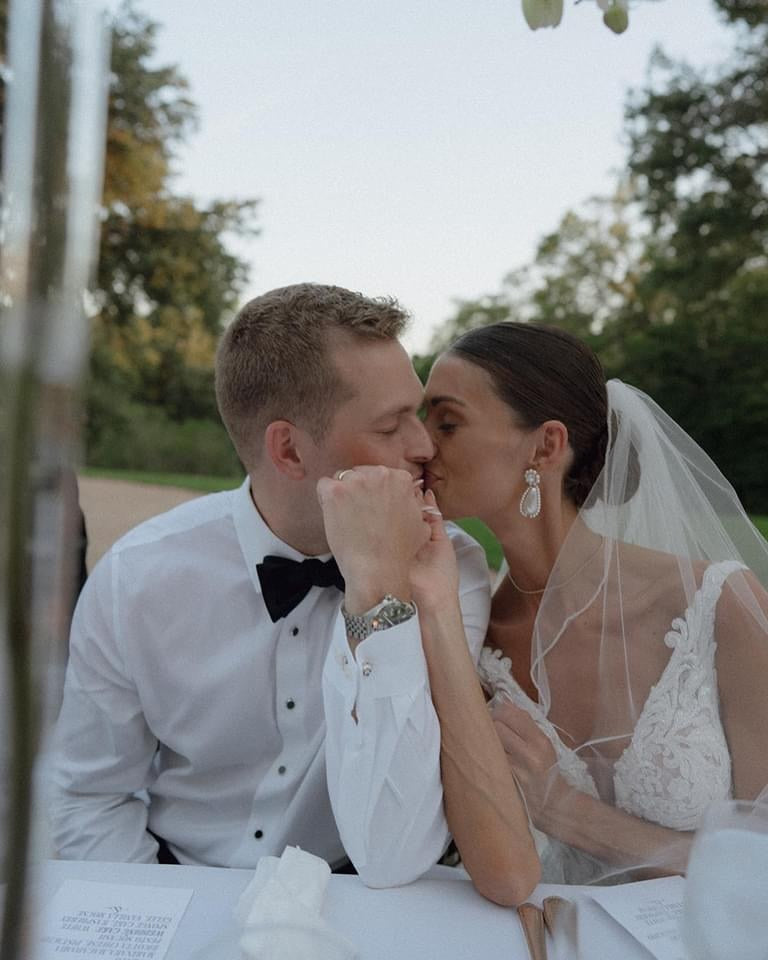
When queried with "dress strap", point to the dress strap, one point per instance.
{"points": [[717, 573]]}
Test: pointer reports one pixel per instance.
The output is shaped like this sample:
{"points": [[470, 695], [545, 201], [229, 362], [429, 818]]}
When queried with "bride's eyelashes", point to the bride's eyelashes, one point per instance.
{"points": [[446, 427]]}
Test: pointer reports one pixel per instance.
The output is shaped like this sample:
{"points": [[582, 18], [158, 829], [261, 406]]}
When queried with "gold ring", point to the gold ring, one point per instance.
{"points": [[342, 473]]}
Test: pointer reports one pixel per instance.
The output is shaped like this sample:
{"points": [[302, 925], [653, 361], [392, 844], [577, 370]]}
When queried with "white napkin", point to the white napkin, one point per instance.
{"points": [[280, 911]]}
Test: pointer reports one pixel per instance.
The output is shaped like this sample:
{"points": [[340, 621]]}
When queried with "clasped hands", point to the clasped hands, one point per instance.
{"points": [[386, 535]]}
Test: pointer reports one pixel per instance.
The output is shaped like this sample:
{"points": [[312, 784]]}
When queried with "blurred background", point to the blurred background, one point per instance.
{"points": [[440, 152], [445, 154]]}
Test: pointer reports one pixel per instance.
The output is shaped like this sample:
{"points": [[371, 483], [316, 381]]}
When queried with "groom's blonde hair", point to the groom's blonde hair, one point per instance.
{"points": [[275, 360]]}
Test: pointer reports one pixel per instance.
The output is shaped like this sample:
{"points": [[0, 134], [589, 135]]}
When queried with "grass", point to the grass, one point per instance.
{"points": [[186, 481], [474, 527]]}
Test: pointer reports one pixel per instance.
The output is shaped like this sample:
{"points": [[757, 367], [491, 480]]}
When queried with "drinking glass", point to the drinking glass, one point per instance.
{"points": [[725, 913]]}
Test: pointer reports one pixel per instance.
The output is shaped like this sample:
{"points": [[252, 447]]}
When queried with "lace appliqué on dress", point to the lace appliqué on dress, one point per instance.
{"points": [[559, 862], [495, 672], [678, 761]]}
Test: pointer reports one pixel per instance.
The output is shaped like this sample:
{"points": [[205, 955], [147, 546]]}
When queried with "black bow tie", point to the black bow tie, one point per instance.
{"points": [[285, 583]]}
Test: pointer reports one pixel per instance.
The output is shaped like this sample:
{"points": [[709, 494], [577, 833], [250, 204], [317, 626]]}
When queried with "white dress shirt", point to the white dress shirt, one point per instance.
{"points": [[187, 712]]}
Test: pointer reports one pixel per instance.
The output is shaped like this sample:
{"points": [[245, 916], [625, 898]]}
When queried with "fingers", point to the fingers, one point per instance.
{"points": [[512, 742], [373, 520], [517, 719], [370, 478], [340, 474], [366, 476], [517, 730], [430, 510]]}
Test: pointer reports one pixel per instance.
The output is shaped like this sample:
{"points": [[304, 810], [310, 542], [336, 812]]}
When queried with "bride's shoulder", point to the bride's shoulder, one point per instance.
{"points": [[655, 580], [669, 584], [659, 566]]}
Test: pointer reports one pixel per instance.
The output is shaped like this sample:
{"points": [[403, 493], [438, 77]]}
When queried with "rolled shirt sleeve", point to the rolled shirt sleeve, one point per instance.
{"points": [[383, 737]]}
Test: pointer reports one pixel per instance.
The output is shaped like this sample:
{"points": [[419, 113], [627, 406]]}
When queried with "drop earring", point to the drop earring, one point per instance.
{"points": [[530, 502]]}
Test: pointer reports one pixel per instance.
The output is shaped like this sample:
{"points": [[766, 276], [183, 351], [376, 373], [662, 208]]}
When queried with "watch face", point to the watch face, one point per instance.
{"points": [[388, 613], [391, 612]]}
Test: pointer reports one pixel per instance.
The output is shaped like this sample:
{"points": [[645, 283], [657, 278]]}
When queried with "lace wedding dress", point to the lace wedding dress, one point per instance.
{"points": [[677, 761]]}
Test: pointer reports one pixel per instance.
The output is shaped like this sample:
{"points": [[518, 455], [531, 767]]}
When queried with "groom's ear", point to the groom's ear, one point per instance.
{"points": [[283, 445], [552, 447]]}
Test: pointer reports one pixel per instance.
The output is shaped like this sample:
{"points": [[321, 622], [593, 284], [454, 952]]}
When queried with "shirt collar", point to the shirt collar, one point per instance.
{"points": [[255, 537]]}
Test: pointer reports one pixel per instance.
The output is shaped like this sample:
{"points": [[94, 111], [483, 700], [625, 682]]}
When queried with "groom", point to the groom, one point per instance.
{"points": [[219, 695]]}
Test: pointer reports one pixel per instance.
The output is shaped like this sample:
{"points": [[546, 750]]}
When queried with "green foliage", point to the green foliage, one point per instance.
{"points": [[186, 481], [149, 114], [751, 12], [470, 313], [582, 275], [166, 280], [143, 437], [422, 364], [761, 523], [477, 529], [668, 279], [699, 156]]}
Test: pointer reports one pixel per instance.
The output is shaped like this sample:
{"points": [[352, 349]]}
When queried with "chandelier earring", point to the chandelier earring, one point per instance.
{"points": [[530, 502]]}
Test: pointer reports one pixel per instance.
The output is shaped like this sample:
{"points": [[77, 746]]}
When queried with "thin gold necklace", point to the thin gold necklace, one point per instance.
{"points": [[573, 576]]}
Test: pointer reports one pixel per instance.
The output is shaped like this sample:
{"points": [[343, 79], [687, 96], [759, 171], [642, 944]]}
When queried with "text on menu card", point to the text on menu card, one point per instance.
{"points": [[111, 921]]}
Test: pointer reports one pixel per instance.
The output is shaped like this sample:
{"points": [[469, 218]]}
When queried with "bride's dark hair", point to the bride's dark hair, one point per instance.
{"points": [[544, 373]]}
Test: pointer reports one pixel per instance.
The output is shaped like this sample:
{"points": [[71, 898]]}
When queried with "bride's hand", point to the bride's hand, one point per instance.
{"points": [[434, 573], [531, 758]]}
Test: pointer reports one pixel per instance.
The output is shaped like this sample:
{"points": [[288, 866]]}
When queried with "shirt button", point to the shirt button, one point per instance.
{"points": [[345, 660], [367, 668], [259, 834], [281, 770], [290, 704], [295, 632]]}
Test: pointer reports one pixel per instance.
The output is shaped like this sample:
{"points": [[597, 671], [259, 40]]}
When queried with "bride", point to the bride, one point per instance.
{"points": [[626, 662]]}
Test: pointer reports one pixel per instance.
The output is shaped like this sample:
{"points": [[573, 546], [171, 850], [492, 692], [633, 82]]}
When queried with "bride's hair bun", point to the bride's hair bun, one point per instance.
{"points": [[587, 476], [586, 468]]}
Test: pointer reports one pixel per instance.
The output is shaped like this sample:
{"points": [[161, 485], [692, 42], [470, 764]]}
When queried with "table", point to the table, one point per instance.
{"points": [[439, 917]]}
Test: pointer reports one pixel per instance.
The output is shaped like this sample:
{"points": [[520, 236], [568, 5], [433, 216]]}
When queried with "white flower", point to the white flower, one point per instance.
{"points": [[542, 13]]}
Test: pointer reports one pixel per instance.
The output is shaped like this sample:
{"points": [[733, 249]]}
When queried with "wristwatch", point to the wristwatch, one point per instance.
{"points": [[384, 615]]}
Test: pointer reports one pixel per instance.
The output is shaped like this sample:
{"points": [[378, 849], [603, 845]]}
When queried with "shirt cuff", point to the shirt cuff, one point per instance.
{"points": [[387, 663]]}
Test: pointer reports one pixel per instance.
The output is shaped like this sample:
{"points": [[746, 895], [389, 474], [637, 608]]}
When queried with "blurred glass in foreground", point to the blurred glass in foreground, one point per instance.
{"points": [[725, 916], [56, 80]]}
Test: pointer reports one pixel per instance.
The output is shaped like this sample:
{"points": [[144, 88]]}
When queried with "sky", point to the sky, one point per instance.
{"points": [[417, 149]]}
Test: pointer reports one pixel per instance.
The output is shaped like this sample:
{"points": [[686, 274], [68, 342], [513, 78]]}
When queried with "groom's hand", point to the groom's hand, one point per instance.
{"points": [[374, 527]]}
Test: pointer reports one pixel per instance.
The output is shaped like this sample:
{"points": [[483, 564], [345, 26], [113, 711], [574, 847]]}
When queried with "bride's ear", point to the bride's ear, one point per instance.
{"points": [[552, 448]]}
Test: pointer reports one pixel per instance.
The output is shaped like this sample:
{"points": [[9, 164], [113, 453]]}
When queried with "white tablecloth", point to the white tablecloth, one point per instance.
{"points": [[437, 918]]}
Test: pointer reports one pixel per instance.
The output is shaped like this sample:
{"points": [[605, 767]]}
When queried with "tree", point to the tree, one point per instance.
{"points": [[668, 281], [581, 276], [166, 279], [699, 159]]}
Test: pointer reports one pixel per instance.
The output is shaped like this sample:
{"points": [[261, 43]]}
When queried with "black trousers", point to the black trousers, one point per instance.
{"points": [[165, 855]]}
